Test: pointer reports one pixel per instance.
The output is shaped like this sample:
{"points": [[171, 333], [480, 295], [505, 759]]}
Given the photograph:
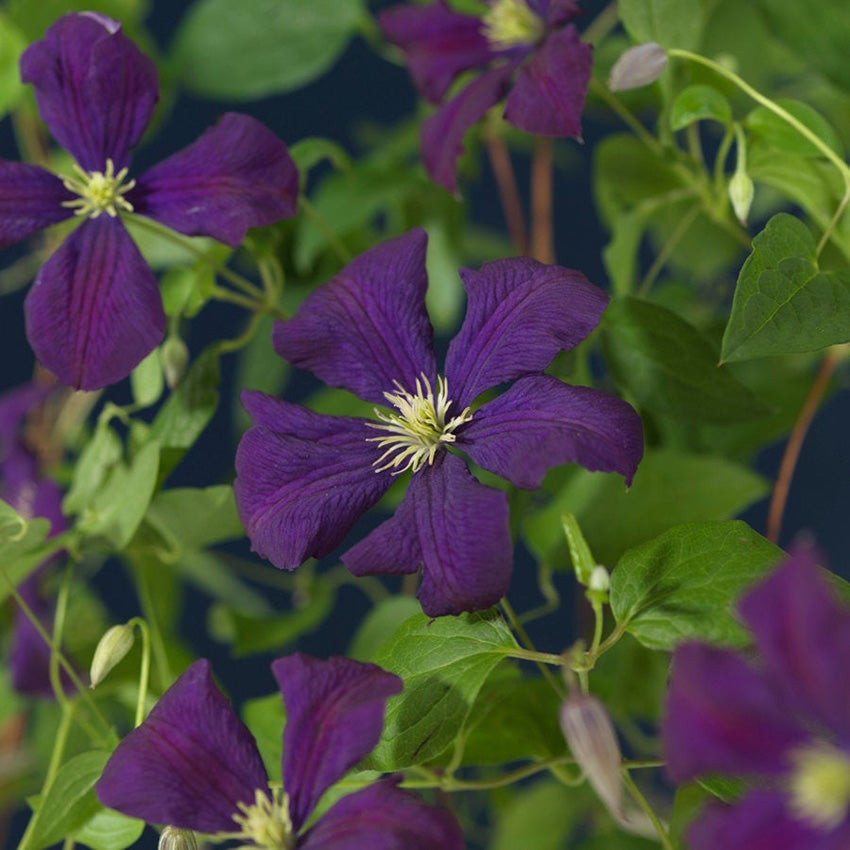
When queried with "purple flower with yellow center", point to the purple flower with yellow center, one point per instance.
{"points": [[194, 765], [780, 721], [303, 479], [32, 495], [95, 311], [525, 49]]}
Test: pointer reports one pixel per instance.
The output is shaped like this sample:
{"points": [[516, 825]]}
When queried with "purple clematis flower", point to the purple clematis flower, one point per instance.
{"points": [[303, 479], [32, 495], [523, 48], [94, 311], [781, 720], [194, 765]]}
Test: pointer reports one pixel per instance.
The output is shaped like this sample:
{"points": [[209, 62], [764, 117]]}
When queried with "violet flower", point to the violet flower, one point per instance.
{"points": [[303, 479], [194, 765], [525, 49], [31, 494], [95, 311], [780, 720]]}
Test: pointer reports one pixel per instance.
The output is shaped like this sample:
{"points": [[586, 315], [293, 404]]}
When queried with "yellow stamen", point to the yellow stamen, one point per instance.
{"points": [[418, 429], [510, 23], [99, 191], [820, 785], [266, 824]]}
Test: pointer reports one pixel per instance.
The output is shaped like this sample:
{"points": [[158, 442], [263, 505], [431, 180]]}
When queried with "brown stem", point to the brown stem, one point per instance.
{"points": [[542, 237], [500, 162], [795, 443]]}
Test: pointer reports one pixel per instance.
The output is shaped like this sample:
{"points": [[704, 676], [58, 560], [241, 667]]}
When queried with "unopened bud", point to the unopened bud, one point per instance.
{"points": [[741, 192], [173, 838], [637, 67], [112, 647], [600, 580], [590, 735], [175, 357]]}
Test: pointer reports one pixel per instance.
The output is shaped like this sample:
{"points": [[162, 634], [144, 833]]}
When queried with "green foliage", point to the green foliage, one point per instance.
{"points": [[670, 23], [766, 125], [542, 816], [698, 103], [783, 302], [109, 830], [12, 44], [444, 664], [684, 583], [667, 366], [261, 47]]}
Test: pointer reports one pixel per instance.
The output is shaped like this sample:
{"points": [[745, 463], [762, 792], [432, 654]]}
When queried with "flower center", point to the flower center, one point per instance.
{"points": [[266, 824], [510, 23], [99, 191], [419, 428], [820, 785]]}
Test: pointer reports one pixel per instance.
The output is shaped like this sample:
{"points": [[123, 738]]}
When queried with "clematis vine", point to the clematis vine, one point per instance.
{"points": [[303, 479], [523, 49], [31, 494], [193, 764], [780, 721], [95, 311]]}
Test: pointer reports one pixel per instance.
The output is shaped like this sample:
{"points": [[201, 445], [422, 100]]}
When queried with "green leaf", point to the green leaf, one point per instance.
{"points": [[99, 456], [110, 830], [308, 153], [443, 664], [698, 103], [778, 133], [147, 380], [215, 575], [783, 303], [23, 551], [188, 410], [12, 44], [255, 48], [670, 487], [513, 719], [684, 583], [379, 625], [266, 717], [119, 507], [13, 527], [196, 517], [670, 23], [540, 816], [70, 801], [669, 367]]}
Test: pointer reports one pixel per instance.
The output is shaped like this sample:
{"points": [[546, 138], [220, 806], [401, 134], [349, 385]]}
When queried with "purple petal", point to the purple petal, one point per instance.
{"points": [[367, 328], [438, 44], [722, 716], [298, 496], [94, 311], [519, 315], [95, 90], [759, 822], [556, 12], [237, 175], [456, 528], [383, 817], [540, 422], [548, 95], [189, 763], [334, 717], [30, 199], [444, 131], [803, 636]]}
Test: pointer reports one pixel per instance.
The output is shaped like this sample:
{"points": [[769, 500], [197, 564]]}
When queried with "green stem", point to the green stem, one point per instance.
{"points": [[144, 672], [533, 655], [183, 242], [775, 108], [833, 222], [338, 246], [616, 106], [158, 646], [667, 249], [517, 626], [660, 829], [59, 745]]}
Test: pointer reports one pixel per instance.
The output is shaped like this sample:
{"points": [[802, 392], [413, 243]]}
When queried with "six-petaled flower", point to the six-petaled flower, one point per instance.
{"points": [[303, 479], [94, 311], [525, 49], [194, 765], [781, 720]]}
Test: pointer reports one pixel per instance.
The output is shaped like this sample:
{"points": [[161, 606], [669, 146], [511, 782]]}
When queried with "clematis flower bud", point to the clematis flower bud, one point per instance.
{"points": [[173, 838], [175, 357], [111, 649], [590, 735], [741, 192], [637, 67]]}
